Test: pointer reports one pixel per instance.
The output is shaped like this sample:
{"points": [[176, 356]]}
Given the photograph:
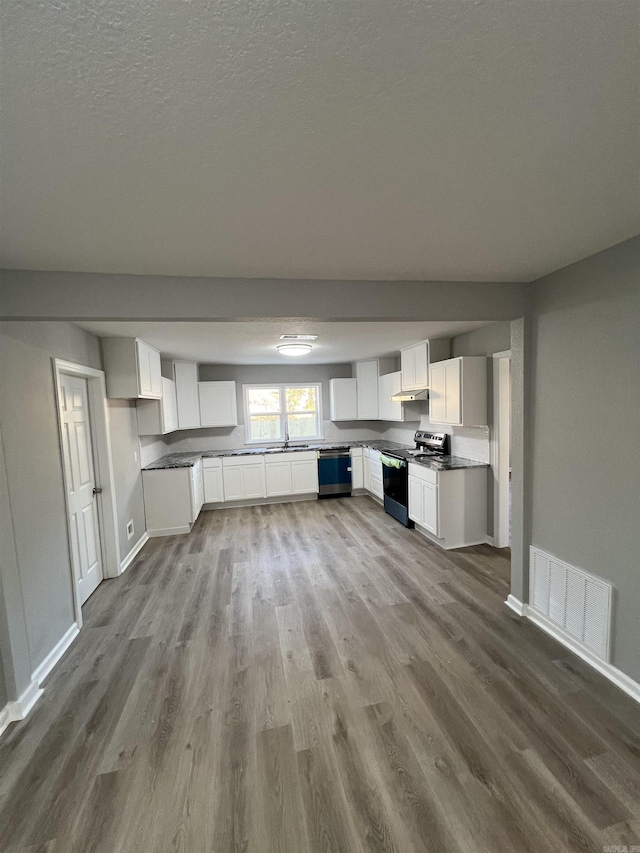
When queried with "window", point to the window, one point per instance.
{"points": [[273, 411]]}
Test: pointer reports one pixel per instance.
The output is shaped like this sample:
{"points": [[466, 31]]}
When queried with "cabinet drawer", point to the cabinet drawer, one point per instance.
{"points": [[424, 474], [296, 456], [212, 462], [356, 452], [238, 461]]}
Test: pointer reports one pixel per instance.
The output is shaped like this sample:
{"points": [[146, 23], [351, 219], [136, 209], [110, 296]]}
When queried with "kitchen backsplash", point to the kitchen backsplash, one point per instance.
{"points": [[468, 442]]}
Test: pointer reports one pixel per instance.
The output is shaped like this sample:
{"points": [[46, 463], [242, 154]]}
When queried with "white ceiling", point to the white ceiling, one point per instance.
{"points": [[255, 342], [439, 140]]}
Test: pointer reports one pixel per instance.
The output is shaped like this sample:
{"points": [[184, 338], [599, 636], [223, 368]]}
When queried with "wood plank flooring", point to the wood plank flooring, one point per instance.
{"points": [[312, 677]]}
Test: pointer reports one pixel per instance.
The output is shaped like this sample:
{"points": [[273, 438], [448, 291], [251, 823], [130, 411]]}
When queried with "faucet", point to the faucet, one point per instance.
{"points": [[286, 438]]}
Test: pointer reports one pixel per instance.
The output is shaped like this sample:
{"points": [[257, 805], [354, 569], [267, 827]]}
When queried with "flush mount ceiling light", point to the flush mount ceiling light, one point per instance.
{"points": [[298, 337], [294, 349]]}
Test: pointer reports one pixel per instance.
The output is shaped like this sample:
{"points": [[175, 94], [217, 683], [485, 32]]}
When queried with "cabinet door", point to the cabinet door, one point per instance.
{"points": [[366, 470], [217, 404], [357, 473], [232, 483], [390, 410], [213, 492], [421, 364], [197, 490], [367, 385], [278, 478], [408, 368], [437, 392], [453, 389], [415, 499], [377, 487], [430, 507], [344, 400], [253, 480], [186, 379], [144, 369], [155, 372], [304, 476], [169, 407]]}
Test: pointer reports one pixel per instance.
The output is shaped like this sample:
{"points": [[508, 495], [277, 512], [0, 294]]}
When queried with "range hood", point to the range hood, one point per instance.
{"points": [[410, 396]]}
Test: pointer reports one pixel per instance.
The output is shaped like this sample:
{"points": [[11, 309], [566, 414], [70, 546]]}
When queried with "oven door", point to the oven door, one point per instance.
{"points": [[395, 482]]}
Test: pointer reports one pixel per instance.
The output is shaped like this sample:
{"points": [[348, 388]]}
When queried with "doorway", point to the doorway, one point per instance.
{"points": [[501, 449], [88, 478]]}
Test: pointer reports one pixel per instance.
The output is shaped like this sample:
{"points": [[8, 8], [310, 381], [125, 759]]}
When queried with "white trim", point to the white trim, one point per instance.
{"points": [[516, 605], [168, 531], [133, 553], [500, 476], [612, 673], [103, 465], [489, 540], [13, 712], [43, 670]]}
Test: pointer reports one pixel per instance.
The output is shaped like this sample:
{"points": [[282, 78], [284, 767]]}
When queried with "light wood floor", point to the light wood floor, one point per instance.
{"points": [[313, 677]]}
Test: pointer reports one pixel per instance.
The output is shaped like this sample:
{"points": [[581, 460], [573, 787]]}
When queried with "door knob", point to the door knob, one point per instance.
{"points": [[97, 490]]}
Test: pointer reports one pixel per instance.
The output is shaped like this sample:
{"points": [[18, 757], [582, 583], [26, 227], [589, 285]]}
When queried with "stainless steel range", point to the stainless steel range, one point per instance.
{"points": [[395, 471]]}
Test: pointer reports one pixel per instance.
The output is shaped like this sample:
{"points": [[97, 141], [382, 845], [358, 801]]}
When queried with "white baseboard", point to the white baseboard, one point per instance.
{"points": [[615, 675], [42, 671], [133, 553], [516, 605], [168, 531], [489, 540], [13, 712]]}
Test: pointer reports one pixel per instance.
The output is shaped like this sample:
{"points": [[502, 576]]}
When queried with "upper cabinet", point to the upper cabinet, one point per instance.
{"points": [[132, 369], [218, 406], [185, 374], [458, 391], [158, 417], [367, 375], [343, 398], [415, 361], [388, 385]]}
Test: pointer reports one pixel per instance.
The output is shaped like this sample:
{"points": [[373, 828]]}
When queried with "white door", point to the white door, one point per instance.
{"points": [[78, 461]]}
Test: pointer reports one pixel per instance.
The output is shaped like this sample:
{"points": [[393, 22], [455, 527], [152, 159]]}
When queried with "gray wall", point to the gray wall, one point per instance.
{"points": [[496, 337], [123, 429], [264, 373], [3, 687], [585, 428], [34, 471]]}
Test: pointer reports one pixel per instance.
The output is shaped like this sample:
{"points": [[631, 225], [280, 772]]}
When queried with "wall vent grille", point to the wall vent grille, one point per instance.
{"points": [[575, 601]]}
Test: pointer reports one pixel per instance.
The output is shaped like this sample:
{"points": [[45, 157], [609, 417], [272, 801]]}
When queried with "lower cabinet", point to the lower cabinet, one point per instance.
{"points": [[212, 472], [243, 478], [375, 474], [450, 505], [357, 468], [291, 474], [173, 499]]}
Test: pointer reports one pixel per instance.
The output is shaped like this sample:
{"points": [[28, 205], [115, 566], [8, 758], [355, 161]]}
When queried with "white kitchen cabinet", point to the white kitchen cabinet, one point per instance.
{"points": [[458, 391], [415, 361], [212, 474], [243, 478], [375, 474], [366, 469], [172, 499], [343, 399], [388, 409], [185, 374], [132, 369], [357, 468], [218, 404], [367, 376], [291, 473], [158, 417], [449, 505]]}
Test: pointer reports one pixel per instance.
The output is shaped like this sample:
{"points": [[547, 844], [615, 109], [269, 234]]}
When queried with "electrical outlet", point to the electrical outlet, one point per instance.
{"points": [[238, 437], [135, 455], [187, 441], [130, 529]]}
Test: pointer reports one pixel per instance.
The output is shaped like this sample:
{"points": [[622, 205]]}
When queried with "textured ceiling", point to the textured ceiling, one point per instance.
{"points": [[255, 342], [363, 139]]}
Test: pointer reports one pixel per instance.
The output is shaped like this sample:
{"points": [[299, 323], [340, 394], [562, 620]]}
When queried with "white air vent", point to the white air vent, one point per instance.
{"points": [[298, 337], [576, 602]]}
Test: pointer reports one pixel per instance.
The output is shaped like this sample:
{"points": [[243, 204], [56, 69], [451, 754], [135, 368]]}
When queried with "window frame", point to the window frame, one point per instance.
{"points": [[282, 386]]}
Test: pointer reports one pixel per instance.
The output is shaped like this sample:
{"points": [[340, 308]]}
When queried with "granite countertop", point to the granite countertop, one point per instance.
{"points": [[188, 460]]}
